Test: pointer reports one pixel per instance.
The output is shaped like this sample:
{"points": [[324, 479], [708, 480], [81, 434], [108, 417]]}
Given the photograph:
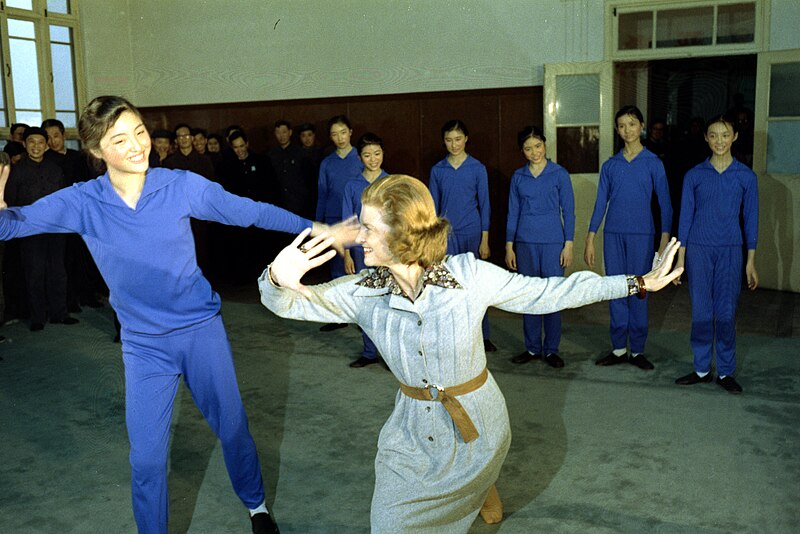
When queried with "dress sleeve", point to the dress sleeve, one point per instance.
{"points": [[56, 213], [329, 303]]}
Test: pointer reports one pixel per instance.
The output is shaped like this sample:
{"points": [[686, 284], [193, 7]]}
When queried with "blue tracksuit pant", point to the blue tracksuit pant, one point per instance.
{"points": [[459, 244], [540, 259], [715, 280], [153, 368], [628, 254], [370, 350]]}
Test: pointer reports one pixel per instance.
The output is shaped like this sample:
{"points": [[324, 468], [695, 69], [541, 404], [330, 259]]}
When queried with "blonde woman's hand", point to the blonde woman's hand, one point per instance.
{"points": [[663, 274], [298, 258]]}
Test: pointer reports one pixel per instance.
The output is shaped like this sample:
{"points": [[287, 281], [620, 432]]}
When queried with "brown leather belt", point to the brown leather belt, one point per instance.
{"points": [[447, 396]]}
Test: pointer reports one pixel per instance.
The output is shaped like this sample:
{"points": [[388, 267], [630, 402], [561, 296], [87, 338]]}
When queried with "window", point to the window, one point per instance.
{"points": [[41, 65]]}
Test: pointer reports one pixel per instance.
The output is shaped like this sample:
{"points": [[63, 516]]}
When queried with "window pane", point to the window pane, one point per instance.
{"points": [[784, 98], [69, 119], [3, 119], [58, 6], [74, 144], [782, 154], [21, 28], [579, 148], [63, 79], [20, 4], [684, 27], [736, 23], [33, 118], [578, 99], [25, 74], [60, 34], [635, 31]]}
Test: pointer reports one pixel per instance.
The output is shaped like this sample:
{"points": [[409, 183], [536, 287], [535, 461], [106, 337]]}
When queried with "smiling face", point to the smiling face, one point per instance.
{"points": [[372, 157], [455, 141], [213, 145], [629, 129], [534, 150], [307, 138], [125, 146], [373, 236], [199, 143], [283, 135], [36, 146], [241, 148], [183, 138], [720, 137], [340, 135], [55, 138]]}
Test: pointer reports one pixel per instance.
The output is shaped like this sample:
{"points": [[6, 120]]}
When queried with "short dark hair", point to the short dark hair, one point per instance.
{"points": [[368, 138], [337, 119], [14, 148], [455, 124], [50, 123], [629, 110], [34, 130], [306, 127], [237, 134], [199, 131], [161, 133], [283, 122], [724, 118], [179, 126], [530, 132], [18, 125]]}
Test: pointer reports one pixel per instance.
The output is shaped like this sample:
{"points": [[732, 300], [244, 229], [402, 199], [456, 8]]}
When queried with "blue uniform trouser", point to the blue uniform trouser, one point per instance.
{"points": [[459, 244], [715, 280], [540, 259], [153, 368], [336, 264], [630, 254], [370, 350]]}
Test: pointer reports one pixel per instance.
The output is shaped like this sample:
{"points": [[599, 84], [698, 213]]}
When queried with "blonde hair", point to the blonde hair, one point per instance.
{"points": [[416, 234]]}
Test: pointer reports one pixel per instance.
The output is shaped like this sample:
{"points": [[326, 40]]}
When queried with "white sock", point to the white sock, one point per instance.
{"points": [[721, 376], [701, 375], [260, 510], [619, 352], [635, 354]]}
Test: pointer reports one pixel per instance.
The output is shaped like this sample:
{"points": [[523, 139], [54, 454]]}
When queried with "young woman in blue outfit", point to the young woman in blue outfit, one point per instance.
{"points": [[715, 193], [627, 182], [459, 185], [370, 152], [136, 223], [539, 236]]}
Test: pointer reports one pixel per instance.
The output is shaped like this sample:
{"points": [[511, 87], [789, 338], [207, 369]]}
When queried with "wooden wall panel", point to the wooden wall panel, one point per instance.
{"points": [[410, 125]]}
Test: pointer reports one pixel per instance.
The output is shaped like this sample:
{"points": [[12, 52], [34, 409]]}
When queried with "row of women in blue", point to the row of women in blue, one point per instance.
{"points": [[136, 224]]}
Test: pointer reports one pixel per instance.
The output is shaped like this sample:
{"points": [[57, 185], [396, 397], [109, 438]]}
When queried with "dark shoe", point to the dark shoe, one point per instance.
{"points": [[488, 346], [66, 320], [330, 327], [554, 360], [2, 338], [641, 362], [264, 524], [93, 304], [693, 378], [611, 359], [363, 361], [37, 327], [730, 385], [525, 357]]}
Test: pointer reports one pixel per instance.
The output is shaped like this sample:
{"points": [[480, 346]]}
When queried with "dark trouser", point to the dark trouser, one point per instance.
{"points": [[541, 259], [45, 276]]}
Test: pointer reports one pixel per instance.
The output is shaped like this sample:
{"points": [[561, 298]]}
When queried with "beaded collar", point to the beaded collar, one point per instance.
{"points": [[435, 275]]}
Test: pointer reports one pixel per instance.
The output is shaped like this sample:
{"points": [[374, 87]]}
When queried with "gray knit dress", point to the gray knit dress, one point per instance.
{"points": [[427, 479]]}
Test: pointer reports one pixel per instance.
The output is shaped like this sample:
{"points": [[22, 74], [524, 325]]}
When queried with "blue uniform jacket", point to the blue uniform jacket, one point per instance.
{"points": [[711, 204], [462, 195], [626, 188], [536, 206], [334, 173], [351, 198], [147, 255]]}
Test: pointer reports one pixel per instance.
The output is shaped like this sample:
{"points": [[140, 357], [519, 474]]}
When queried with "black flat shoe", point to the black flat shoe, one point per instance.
{"points": [[330, 327], [554, 360], [525, 357], [264, 524], [363, 361], [641, 362], [693, 378], [488, 346], [730, 385], [611, 359]]}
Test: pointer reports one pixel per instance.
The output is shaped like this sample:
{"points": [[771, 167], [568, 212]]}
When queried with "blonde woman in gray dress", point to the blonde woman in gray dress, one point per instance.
{"points": [[441, 450]]}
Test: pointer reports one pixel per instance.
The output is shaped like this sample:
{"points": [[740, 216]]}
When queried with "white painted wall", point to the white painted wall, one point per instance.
{"points": [[175, 52]]}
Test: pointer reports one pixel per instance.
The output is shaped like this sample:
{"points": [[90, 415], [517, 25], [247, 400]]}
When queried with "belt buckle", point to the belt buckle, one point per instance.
{"points": [[435, 390]]}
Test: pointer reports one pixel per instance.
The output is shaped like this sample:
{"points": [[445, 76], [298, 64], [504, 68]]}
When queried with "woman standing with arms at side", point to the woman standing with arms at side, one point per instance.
{"points": [[370, 152], [541, 227], [627, 183], [715, 192], [335, 170], [459, 185]]}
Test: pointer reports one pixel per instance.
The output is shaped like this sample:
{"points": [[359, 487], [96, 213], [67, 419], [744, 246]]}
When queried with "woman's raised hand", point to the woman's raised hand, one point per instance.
{"points": [[663, 274], [298, 258], [344, 233]]}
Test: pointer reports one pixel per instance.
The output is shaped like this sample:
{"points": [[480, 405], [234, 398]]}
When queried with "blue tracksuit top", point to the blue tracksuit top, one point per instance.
{"points": [[711, 204], [147, 255], [536, 206], [351, 198], [334, 173], [462, 195], [626, 189]]}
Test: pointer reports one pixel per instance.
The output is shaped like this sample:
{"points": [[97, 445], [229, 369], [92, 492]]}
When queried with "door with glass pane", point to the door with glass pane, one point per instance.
{"points": [[578, 125], [776, 160]]}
